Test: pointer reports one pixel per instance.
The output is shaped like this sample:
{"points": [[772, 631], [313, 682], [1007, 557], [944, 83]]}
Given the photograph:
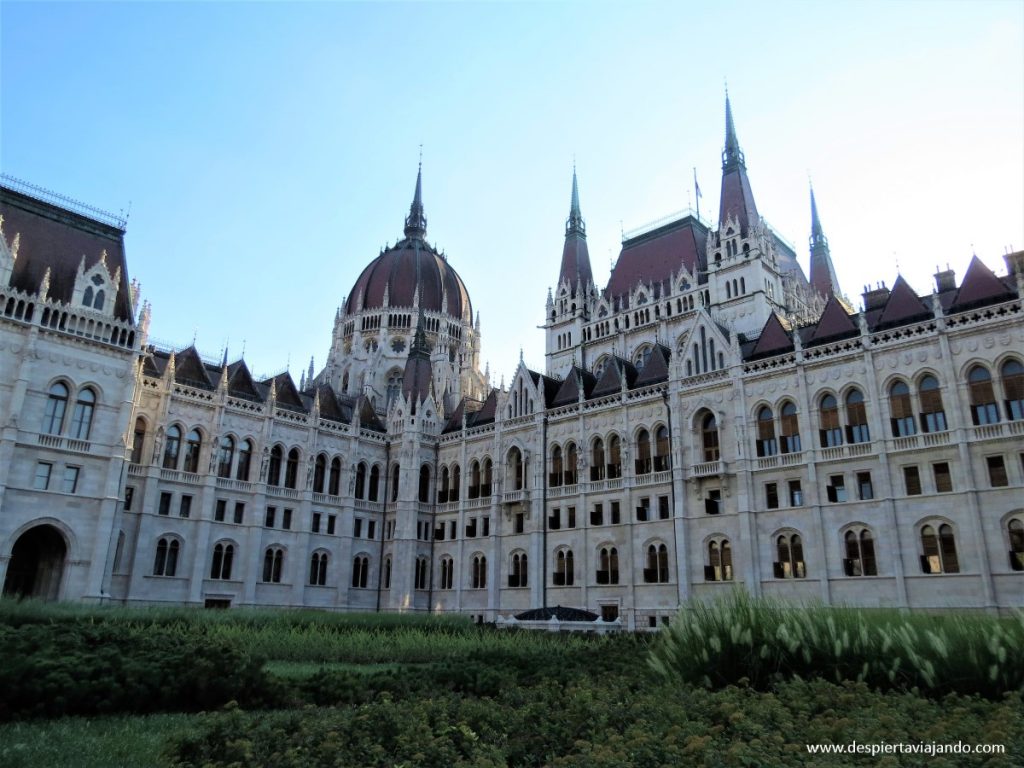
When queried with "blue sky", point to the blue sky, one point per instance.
{"points": [[269, 150]]}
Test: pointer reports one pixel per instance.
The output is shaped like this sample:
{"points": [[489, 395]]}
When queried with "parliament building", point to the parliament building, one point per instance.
{"points": [[713, 417]]}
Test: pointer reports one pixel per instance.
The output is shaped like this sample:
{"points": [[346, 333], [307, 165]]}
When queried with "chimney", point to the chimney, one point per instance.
{"points": [[875, 298], [945, 280]]}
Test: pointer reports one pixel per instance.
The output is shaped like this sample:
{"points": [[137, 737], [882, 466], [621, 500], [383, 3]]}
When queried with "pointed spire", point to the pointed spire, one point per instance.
{"points": [[417, 380], [823, 274], [575, 268], [574, 224], [733, 155], [416, 222], [310, 373], [817, 234], [737, 199]]}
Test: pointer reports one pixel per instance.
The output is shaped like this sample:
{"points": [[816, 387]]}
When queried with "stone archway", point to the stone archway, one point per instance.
{"points": [[37, 564]]}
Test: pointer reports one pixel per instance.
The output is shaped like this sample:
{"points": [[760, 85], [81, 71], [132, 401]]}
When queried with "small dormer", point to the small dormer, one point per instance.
{"points": [[95, 288]]}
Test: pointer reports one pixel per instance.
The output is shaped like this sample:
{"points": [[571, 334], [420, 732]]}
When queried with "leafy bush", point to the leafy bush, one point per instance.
{"points": [[764, 641]]}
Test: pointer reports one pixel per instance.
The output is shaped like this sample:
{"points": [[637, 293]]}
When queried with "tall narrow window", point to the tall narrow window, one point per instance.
{"points": [[244, 461], [361, 571], [273, 560], [563, 575], [361, 481], [656, 564], [943, 477], [939, 550], [274, 470], [766, 445], [166, 561], [514, 470], [319, 473], [193, 445], [474, 479], [1015, 529], [790, 553], [225, 456], [517, 576], [902, 412], [614, 457], [424, 489], [856, 418], [912, 480], [571, 460], [374, 486], [138, 441], [719, 567], [334, 483], [597, 463], [81, 419], [172, 446], [1013, 389], [318, 569], [488, 472], [555, 477], [661, 449], [396, 474], [860, 553], [223, 557], [453, 494], [709, 437], [478, 575], [291, 469], [643, 465], [789, 439], [933, 415], [982, 396], [830, 435], [56, 406]]}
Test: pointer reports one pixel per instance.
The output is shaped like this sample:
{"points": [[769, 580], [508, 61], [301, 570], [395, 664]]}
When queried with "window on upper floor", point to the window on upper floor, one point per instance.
{"points": [[982, 396], [789, 434], [856, 418], [656, 564], [943, 478], [244, 461], [138, 440], [933, 414], [319, 473], [642, 463], [193, 446], [291, 469], [996, 466], [274, 468], [225, 456], [56, 406], [1012, 374], [563, 575], [709, 438], [766, 442], [830, 434], [901, 410], [81, 419]]}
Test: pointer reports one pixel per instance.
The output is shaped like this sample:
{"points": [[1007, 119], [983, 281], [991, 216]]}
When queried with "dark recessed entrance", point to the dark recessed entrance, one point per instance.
{"points": [[37, 564]]}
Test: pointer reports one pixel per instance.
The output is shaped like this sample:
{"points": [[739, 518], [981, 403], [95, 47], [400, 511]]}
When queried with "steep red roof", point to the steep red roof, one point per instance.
{"points": [[903, 306], [653, 257], [190, 369], [834, 322], [980, 286], [615, 371], [774, 338], [737, 198], [656, 370]]}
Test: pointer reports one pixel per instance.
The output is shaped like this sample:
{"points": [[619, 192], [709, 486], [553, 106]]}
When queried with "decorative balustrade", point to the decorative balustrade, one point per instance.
{"points": [[283, 493], [511, 497], [174, 475], [708, 469], [136, 470], [64, 443], [231, 484]]}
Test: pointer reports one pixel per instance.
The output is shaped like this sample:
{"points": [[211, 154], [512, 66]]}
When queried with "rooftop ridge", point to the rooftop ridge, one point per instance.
{"points": [[62, 201]]}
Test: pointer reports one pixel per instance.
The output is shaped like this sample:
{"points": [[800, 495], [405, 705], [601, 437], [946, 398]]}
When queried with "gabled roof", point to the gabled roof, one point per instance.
{"points": [[656, 370], [367, 416], [190, 369], [834, 323], [240, 382], [454, 423], [487, 412], [286, 392], [902, 307], [575, 380], [548, 387], [153, 364], [980, 286], [615, 371], [334, 408], [774, 339], [655, 256]]}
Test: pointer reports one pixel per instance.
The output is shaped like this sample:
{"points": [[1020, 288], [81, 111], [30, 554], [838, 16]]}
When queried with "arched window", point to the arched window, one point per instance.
{"points": [[555, 480], [661, 449], [319, 473], [98, 303], [571, 460], [860, 553], [138, 440], [447, 572], [81, 419], [87, 296], [56, 406], [643, 453], [394, 388], [274, 472], [374, 482], [608, 566], [766, 445], [171, 447], [361, 571], [982, 396], [291, 469], [387, 573], [939, 549], [486, 477], [517, 575], [193, 445], [273, 560], [244, 461], [225, 456], [641, 358], [420, 574], [478, 574], [933, 415], [856, 418], [223, 557], [901, 410], [564, 572], [424, 484], [396, 473], [318, 569], [614, 457], [514, 469], [830, 434], [361, 481], [790, 557], [1013, 389], [789, 438], [1015, 529], [719, 567], [709, 438], [597, 465], [453, 493], [656, 564], [166, 562], [334, 481]]}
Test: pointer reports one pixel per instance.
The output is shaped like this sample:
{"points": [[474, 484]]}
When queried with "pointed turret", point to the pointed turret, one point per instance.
{"points": [[823, 273], [416, 379], [416, 221], [575, 255], [737, 201]]}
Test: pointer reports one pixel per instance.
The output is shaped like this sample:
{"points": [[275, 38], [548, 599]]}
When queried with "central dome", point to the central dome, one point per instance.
{"points": [[412, 266]]}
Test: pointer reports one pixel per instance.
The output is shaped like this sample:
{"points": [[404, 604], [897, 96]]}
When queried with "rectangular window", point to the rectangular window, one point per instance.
{"points": [[487, 526], [912, 480], [597, 515], [771, 495], [357, 527], [185, 506], [221, 510], [663, 508], [643, 511], [571, 517], [555, 519], [71, 478], [943, 478], [371, 529], [332, 521], [271, 514], [453, 528], [316, 522], [165, 504], [286, 519], [616, 518], [129, 496], [239, 512], [471, 528], [865, 490], [996, 471], [796, 494], [520, 522], [713, 502], [836, 489], [42, 480]]}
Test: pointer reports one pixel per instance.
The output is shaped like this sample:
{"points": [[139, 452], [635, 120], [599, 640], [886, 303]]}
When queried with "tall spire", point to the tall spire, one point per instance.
{"points": [[823, 274], [737, 199], [417, 378], [575, 267], [416, 221], [733, 155]]}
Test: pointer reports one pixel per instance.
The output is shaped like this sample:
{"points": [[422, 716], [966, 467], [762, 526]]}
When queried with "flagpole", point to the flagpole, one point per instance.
{"points": [[696, 191]]}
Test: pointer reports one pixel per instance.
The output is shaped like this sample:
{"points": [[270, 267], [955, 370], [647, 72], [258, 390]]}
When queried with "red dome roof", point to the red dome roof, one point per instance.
{"points": [[411, 265]]}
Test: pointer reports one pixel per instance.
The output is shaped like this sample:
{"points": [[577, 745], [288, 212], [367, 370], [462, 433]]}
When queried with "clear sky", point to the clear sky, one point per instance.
{"points": [[269, 150]]}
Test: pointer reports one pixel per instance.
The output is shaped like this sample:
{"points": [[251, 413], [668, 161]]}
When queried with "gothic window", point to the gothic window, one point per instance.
{"points": [[394, 388], [138, 440], [555, 479], [396, 473], [901, 410], [474, 479], [420, 574], [709, 438], [563, 575], [171, 447], [273, 560], [830, 435], [656, 564], [789, 439], [291, 469], [361, 481], [274, 473], [719, 567], [939, 549], [982, 396], [478, 574], [860, 553], [597, 466], [361, 571], [223, 557], [318, 569], [244, 461], [789, 562], [81, 419], [614, 457], [856, 418], [517, 576], [319, 473], [374, 488], [514, 469], [766, 445], [643, 452], [424, 490], [485, 488], [334, 480], [193, 445], [641, 358], [166, 562], [608, 566], [453, 494], [571, 458], [1015, 529], [56, 405], [447, 572], [933, 415], [661, 449], [225, 456], [1013, 389]]}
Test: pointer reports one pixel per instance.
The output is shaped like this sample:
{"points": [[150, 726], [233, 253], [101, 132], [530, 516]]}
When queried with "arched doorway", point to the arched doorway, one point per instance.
{"points": [[37, 564]]}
